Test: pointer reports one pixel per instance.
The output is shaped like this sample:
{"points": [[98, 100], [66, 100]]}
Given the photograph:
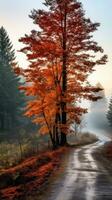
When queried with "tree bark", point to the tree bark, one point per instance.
{"points": [[64, 81]]}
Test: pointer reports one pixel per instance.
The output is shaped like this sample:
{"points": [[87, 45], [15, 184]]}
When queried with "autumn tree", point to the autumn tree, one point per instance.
{"points": [[11, 99], [61, 54]]}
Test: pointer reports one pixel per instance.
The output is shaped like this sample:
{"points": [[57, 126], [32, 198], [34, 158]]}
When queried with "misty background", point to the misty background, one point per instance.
{"points": [[96, 120]]}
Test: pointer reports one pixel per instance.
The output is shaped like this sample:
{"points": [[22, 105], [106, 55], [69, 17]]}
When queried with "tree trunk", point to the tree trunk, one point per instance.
{"points": [[52, 140], [64, 82], [57, 130]]}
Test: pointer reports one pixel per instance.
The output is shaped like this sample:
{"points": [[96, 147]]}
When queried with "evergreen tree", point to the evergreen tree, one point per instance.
{"points": [[109, 113], [11, 99]]}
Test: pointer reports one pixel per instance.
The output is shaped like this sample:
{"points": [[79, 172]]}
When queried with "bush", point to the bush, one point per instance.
{"points": [[82, 138]]}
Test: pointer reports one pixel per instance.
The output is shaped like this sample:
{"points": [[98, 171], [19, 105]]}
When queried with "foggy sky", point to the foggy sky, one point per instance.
{"points": [[14, 17]]}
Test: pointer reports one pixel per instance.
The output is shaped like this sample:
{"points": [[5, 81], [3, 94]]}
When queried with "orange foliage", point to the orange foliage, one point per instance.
{"points": [[61, 55]]}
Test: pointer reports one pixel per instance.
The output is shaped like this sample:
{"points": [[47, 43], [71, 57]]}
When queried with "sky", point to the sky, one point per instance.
{"points": [[14, 17]]}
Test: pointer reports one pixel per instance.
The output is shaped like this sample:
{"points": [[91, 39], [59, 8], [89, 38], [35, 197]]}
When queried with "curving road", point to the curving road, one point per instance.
{"points": [[82, 178]]}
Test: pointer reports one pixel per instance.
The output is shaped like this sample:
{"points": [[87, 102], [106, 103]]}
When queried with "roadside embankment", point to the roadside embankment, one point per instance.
{"points": [[103, 154]]}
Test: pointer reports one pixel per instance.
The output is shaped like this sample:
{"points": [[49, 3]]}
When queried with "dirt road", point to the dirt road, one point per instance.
{"points": [[83, 178]]}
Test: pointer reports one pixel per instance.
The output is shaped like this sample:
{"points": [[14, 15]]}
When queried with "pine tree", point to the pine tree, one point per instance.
{"points": [[61, 59], [11, 99], [109, 113]]}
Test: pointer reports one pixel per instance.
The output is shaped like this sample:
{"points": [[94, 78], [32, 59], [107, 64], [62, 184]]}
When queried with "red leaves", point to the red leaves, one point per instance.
{"points": [[61, 55]]}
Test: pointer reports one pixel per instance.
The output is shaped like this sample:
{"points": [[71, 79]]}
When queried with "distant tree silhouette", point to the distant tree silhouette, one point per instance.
{"points": [[109, 113]]}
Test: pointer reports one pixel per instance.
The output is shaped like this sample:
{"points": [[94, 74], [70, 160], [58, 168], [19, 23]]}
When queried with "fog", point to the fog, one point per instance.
{"points": [[96, 119]]}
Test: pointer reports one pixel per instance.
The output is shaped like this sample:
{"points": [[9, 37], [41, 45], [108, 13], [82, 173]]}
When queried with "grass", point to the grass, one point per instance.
{"points": [[14, 151], [30, 175], [82, 139]]}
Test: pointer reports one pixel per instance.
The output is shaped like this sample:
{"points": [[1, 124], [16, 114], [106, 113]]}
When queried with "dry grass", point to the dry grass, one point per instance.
{"points": [[11, 153], [29, 176], [82, 138]]}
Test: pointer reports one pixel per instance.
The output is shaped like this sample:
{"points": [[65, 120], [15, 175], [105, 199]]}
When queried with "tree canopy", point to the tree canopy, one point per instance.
{"points": [[62, 54]]}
